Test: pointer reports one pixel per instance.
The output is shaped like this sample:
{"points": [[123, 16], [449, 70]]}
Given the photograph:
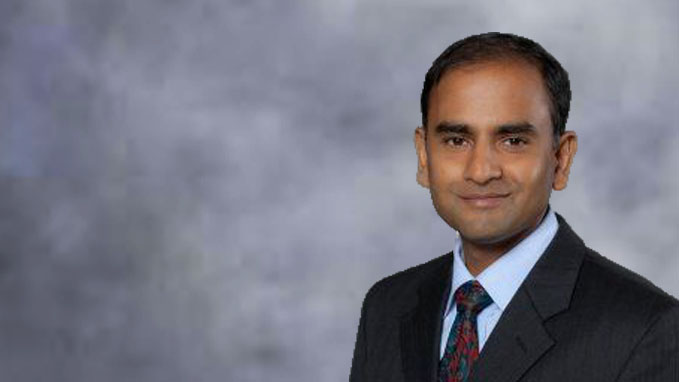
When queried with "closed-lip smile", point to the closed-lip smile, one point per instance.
{"points": [[484, 201], [482, 196]]}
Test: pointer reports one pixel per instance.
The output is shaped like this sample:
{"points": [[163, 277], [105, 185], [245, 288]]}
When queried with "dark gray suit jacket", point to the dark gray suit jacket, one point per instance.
{"points": [[577, 317]]}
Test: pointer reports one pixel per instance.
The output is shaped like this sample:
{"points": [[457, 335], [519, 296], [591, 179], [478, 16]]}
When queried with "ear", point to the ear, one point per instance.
{"points": [[422, 164], [568, 145]]}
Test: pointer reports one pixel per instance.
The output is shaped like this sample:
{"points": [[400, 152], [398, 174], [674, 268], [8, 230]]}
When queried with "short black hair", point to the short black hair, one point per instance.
{"points": [[495, 46]]}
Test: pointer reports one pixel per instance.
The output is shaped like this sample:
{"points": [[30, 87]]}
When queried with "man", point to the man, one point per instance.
{"points": [[520, 297]]}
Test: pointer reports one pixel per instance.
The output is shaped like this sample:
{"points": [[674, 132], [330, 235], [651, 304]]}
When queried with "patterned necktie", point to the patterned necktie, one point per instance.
{"points": [[462, 348]]}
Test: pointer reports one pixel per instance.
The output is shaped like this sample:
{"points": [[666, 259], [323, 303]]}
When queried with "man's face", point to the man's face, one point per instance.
{"points": [[489, 158]]}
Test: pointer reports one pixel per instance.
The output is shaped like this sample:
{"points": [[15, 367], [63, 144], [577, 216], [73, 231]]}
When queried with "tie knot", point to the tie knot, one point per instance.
{"points": [[471, 298]]}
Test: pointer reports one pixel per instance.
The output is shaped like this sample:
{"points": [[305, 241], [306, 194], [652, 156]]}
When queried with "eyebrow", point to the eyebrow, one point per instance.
{"points": [[517, 128], [452, 127], [504, 129]]}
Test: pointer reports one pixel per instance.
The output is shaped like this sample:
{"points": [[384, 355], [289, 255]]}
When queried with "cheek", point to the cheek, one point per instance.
{"points": [[533, 175], [446, 176]]}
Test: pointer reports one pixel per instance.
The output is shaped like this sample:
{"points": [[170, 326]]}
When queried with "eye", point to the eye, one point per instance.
{"points": [[455, 141], [515, 141]]}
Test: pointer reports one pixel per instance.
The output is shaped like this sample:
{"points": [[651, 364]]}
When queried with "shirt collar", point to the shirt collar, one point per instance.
{"points": [[504, 276]]}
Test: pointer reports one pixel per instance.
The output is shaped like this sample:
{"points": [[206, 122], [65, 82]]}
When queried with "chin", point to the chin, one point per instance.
{"points": [[485, 234], [482, 238]]}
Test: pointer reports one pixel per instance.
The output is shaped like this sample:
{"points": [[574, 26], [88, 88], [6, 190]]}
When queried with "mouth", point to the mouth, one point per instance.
{"points": [[484, 200]]}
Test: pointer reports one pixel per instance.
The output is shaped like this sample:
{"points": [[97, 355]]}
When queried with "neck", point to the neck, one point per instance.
{"points": [[479, 256]]}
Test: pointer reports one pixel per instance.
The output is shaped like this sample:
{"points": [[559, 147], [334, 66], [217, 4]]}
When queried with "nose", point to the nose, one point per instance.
{"points": [[482, 164]]}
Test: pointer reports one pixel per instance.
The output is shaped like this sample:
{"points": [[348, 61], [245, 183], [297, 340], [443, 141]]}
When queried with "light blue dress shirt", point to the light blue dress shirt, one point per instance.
{"points": [[501, 279]]}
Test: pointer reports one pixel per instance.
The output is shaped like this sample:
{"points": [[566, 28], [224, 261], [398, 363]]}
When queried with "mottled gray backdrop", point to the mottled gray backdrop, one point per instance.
{"points": [[204, 190]]}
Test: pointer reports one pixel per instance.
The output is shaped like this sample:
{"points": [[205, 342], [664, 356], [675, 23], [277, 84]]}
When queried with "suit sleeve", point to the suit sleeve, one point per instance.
{"points": [[656, 356], [359, 361]]}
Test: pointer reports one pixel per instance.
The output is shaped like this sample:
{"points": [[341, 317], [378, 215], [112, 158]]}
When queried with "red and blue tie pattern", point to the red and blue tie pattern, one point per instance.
{"points": [[462, 347]]}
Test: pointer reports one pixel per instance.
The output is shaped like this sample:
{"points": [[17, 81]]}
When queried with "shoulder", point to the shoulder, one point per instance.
{"points": [[637, 322], [621, 294], [601, 272], [605, 286], [396, 289]]}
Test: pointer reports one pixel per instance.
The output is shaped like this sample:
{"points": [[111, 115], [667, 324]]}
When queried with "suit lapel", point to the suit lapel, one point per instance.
{"points": [[421, 327], [519, 339]]}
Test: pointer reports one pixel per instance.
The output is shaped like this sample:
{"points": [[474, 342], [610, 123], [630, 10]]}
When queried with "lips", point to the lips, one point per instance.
{"points": [[483, 196], [484, 200]]}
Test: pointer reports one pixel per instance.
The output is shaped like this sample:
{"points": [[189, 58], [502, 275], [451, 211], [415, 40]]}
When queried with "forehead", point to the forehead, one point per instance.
{"points": [[488, 94]]}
